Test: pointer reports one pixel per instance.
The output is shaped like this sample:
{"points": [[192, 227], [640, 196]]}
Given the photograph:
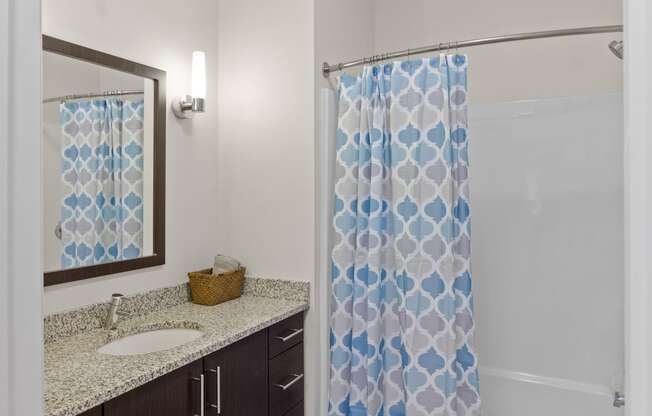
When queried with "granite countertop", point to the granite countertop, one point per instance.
{"points": [[78, 378]]}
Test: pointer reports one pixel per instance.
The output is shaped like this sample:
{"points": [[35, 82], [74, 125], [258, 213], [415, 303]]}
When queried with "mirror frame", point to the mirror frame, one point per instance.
{"points": [[158, 76]]}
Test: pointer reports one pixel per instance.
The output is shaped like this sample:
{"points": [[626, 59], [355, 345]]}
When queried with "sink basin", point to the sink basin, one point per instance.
{"points": [[150, 341]]}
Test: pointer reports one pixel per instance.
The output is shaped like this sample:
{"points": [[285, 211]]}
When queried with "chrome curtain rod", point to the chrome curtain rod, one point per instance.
{"points": [[92, 95], [327, 69]]}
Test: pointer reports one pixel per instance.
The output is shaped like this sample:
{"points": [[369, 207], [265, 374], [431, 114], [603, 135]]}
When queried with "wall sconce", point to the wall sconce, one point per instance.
{"points": [[196, 102]]}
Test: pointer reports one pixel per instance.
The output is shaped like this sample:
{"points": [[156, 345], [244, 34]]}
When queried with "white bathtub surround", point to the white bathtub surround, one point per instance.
{"points": [[570, 386], [548, 182], [514, 393]]}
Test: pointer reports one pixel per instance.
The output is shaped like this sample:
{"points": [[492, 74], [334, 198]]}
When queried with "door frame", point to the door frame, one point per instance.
{"points": [[325, 158], [638, 206], [21, 287]]}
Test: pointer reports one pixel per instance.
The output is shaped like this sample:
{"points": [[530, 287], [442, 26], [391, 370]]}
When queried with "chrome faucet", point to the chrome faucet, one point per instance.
{"points": [[113, 314]]}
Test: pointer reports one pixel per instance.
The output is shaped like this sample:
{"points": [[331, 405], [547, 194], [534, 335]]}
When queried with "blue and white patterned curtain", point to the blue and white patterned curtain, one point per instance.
{"points": [[102, 178], [402, 314]]}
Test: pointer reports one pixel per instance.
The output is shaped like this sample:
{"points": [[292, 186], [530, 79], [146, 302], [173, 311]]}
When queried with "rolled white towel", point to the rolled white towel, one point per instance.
{"points": [[225, 264]]}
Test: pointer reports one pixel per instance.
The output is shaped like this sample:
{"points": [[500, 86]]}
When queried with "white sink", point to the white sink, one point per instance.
{"points": [[150, 341]]}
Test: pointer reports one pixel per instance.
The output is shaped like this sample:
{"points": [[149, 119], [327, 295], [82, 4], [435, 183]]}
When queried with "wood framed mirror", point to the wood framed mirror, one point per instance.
{"points": [[104, 120]]}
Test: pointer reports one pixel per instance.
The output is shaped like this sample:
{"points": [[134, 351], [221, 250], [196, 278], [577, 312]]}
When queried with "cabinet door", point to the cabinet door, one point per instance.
{"points": [[296, 411], [175, 394], [236, 378]]}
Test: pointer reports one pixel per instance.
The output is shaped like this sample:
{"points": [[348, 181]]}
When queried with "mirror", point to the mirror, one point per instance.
{"points": [[103, 163]]}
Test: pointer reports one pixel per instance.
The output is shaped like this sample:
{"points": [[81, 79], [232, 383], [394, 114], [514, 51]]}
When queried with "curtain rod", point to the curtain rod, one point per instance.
{"points": [[327, 69], [92, 95]]}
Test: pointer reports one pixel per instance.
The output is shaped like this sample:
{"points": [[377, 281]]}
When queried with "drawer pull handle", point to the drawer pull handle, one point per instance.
{"points": [[291, 383], [201, 400], [294, 333], [218, 384]]}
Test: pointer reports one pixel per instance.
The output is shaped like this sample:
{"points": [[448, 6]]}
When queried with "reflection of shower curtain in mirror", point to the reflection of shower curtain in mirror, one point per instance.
{"points": [[102, 181]]}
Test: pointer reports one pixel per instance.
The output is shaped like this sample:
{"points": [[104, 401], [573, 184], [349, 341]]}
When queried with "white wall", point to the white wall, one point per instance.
{"points": [[162, 35], [21, 356], [265, 126], [344, 30], [573, 66], [266, 136]]}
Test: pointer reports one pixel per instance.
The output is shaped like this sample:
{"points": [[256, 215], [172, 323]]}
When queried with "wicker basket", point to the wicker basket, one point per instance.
{"points": [[209, 289]]}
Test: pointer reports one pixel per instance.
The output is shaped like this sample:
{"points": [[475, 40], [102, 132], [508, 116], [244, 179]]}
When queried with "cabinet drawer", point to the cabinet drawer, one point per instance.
{"points": [[285, 334], [286, 381]]}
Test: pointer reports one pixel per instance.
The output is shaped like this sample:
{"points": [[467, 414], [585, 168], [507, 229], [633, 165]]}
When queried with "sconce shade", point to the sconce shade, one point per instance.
{"points": [[198, 74], [195, 103]]}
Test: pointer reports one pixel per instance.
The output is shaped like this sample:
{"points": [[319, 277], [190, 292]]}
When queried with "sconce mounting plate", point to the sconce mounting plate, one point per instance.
{"points": [[182, 107]]}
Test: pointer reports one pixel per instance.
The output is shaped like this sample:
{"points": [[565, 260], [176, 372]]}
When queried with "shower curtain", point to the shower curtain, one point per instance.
{"points": [[102, 179], [402, 314]]}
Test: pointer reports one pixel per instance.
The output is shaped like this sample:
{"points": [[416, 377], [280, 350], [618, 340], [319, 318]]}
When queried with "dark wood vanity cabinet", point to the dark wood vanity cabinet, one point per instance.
{"points": [[285, 347], [236, 378], [174, 394], [96, 411], [259, 375]]}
